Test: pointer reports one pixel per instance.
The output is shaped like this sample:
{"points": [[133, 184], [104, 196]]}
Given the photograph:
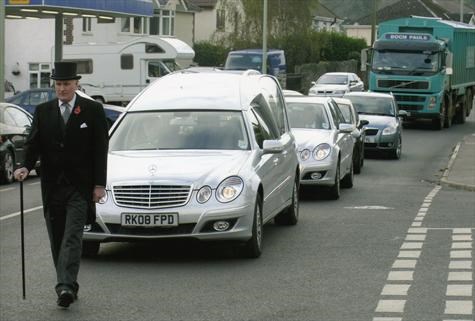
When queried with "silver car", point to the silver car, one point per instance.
{"points": [[336, 84], [205, 155], [324, 142], [384, 130]]}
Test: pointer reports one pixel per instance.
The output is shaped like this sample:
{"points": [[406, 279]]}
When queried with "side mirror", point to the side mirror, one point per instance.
{"points": [[402, 113], [346, 128], [272, 146], [313, 83], [363, 122], [449, 71]]}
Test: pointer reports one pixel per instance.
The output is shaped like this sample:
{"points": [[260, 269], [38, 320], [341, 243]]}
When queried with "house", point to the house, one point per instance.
{"points": [[26, 68], [326, 20], [361, 28], [217, 18]]}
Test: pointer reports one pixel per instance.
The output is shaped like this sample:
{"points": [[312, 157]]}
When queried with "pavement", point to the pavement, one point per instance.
{"points": [[460, 171]]}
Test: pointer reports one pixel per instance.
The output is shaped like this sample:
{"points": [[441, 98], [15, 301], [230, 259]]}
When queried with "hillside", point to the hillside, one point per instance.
{"points": [[353, 9]]}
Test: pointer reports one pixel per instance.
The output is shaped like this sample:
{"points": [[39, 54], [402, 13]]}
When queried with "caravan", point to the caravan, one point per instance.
{"points": [[117, 72]]}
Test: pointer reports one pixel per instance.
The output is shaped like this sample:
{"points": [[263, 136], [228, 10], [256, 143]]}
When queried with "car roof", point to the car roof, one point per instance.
{"points": [[367, 94], [340, 100], [4, 105], [339, 73], [308, 99], [214, 90], [269, 51]]}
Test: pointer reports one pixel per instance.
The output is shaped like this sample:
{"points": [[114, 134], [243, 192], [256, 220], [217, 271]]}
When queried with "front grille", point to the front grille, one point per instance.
{"points": [[151, 231], [371, 131], [403, 84], [406, 98], [151, 196], [410, 107], [371, 145]]}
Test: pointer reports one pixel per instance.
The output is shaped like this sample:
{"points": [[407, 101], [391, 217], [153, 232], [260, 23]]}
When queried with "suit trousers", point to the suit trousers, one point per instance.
{"points": [[65, 219]]}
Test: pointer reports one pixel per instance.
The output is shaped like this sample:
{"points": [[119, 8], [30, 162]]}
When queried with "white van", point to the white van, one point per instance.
{"points": [[117, 72]]}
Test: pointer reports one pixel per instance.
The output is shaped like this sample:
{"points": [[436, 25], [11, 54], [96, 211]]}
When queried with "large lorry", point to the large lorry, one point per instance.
{"points": [[428, 64], [117, 72]]}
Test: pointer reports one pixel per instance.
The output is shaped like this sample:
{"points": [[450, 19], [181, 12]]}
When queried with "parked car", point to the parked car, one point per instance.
{"points": [[336, 84], [288, 93], [15, 125], [384, 131], [203, 155], [31, 98], [358, 133], [324, 141]]}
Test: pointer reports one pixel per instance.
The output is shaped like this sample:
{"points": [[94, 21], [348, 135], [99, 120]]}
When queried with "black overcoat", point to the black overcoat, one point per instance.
{"points": [[76, 151]]}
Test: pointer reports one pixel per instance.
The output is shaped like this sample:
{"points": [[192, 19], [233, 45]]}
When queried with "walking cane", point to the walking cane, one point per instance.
{"points": [[22, 241]]}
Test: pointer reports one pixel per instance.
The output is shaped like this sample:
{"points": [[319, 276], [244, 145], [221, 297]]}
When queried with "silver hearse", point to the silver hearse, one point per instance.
{"points": [[206, 155]]}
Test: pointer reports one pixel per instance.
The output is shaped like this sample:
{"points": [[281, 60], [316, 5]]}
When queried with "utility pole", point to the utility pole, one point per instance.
{"points": [[461, 10], [264, 38], [2, 51], [373, 21]]}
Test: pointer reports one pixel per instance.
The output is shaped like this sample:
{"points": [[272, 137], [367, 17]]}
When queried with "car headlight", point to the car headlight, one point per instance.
{"points": [[321, 151], [305, 154], [390, 130], [229, 189], [104, 198], [203, 194]]}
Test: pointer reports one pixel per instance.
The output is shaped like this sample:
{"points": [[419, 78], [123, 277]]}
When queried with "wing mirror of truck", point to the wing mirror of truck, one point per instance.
{"points": [[448, 64], [364, 58]]}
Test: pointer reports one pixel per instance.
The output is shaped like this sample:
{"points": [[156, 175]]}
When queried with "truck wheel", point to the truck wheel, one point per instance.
{"points": [[448, 117], [440, 120], [461, 114]]}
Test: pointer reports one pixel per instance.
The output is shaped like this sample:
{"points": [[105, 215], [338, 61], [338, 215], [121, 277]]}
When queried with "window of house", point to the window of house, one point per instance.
{"points": [[127, 61], [163, 23], [39, 74], [83, 66], [86, 24], [220, 19]]}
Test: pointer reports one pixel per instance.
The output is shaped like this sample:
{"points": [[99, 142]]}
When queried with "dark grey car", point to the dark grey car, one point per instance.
{"points": [[384, 130]]}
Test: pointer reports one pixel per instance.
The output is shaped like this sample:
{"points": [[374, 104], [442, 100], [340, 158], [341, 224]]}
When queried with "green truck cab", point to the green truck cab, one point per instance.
{"points": [[428, 64]]}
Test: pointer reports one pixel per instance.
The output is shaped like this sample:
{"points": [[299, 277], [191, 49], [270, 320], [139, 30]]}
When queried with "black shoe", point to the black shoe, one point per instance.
{"points": [[65, 298]]}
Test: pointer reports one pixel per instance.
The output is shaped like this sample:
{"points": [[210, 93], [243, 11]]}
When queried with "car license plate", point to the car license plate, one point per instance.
{"points": [[151, 220], [369, 139]]}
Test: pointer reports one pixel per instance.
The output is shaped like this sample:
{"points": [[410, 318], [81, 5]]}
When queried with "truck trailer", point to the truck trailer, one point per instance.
{"points": [[428, 64], [117, 72]]}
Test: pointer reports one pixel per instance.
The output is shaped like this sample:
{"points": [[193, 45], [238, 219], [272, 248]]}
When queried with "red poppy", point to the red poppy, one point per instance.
{"points": [[77, 110]]}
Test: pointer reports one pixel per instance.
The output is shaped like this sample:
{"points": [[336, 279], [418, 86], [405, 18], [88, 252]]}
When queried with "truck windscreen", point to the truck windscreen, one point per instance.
{"points": [[406, 62]]}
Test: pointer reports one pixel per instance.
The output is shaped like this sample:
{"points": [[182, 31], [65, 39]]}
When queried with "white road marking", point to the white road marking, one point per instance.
{"points": [[18, 213], [370, 207], [462, 245], [7, 189], [419, 218], [404, 264], [421, 230], [35, 183], [409, 254], [416, 224], [459, 290], [462, 231], [460, 265], [400, 276], [411, 245], [460, 254], [458, 307], [423, 210], [395, 289], [462, 237], [387, 319], [460, 276], [390, 306]]}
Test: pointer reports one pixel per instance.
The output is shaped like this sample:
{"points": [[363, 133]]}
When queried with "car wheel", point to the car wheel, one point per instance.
{"points": [[253, 248], [8, 165], [290, 215], [347, 181], [334, 191], [396, 152], [90, 248]]}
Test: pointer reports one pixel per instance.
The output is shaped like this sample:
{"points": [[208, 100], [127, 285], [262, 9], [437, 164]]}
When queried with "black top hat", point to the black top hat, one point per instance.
{"points": [[64, 71]]}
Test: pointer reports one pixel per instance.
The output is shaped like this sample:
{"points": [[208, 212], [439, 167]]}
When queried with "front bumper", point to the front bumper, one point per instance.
{"points": [[379, 142], [194, 221], [326, 169]]}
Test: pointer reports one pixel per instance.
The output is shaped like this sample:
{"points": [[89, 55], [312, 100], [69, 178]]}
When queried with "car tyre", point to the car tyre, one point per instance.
{"points": [[8, 167], [334, 191], [90, 248], [396, 152], [290, 215], [253, 247], [347, 181]]}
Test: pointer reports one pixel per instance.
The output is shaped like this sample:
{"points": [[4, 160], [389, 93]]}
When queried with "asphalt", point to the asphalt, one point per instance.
{"points": [[460, 171]]}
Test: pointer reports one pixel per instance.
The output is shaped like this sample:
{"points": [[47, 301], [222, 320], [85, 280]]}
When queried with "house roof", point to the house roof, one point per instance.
{"points": [[323, 11], [406, 8], [204, 3], [454, 6]]}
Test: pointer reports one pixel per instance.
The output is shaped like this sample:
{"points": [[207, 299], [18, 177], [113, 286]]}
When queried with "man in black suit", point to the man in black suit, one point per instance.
{"points": [[70, 136]]}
